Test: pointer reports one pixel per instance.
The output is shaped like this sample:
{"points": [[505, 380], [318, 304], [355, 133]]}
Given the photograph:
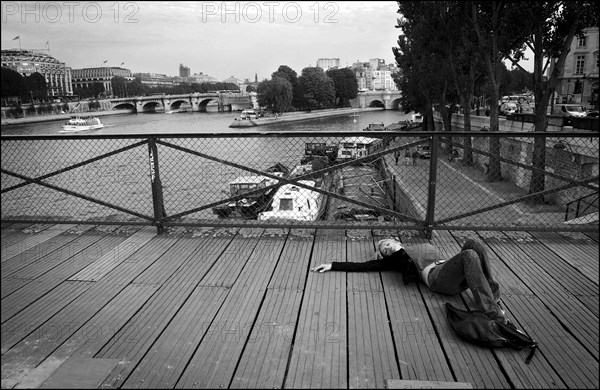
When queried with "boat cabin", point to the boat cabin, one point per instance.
{"points": [[244, 184], [356, 147]]}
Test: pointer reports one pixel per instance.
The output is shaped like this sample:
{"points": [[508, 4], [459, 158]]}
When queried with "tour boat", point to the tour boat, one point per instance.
{"points": [[81, 123]]}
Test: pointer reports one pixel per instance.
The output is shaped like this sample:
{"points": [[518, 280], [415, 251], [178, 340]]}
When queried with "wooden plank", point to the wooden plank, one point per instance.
{"points": [[21, 232], [30, 318], [176, 344], [594, 236], [572, 362], [412, 384], [214, 362], [35, 289], [76, 337], [10, 228], [290, 273], [569, 278], [178, 283], [572, 254], [319, 358], [583, 242], [552, 288], [55, 247], [102, 266], [79, 311], [80, 373], [9, 251], [371, 354], [264, 360]]}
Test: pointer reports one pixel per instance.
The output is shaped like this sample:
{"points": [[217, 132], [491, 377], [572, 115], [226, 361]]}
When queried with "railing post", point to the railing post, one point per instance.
{"points": [[157, 194], [429, 218]]}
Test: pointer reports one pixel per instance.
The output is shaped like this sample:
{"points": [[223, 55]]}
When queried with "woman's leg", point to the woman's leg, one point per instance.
{"points": [[461, 272], [479, 248]]}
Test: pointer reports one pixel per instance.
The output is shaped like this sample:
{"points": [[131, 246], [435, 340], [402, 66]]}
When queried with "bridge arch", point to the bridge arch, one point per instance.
{"points": [[204, 102], [124, 106], [150, 106]]}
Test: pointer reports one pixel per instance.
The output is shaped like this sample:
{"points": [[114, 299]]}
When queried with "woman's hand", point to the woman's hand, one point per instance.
{"points": [[322, 268]]}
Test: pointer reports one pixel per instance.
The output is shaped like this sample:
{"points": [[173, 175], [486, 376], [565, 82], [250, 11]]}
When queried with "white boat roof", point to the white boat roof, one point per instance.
{"points": [[358, 140]]}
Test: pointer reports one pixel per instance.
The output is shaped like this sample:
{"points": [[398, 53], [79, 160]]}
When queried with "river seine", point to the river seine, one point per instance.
{"points": [[196, 122], [188, 180]]}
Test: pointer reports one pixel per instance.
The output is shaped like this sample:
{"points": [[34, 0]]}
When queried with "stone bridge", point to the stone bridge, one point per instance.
{"points": [[390, 100], [199, 102]]}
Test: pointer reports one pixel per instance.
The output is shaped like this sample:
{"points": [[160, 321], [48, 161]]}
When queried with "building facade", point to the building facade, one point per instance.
{"points": [[328, 63], [375, 75], [86, 77], [184, 71], [578, 82], [58, 76], [156, 79]]}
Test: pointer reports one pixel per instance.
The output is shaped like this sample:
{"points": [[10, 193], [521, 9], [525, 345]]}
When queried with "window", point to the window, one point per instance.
{"points": [[581, 42], [286, 204], [579, 62]]}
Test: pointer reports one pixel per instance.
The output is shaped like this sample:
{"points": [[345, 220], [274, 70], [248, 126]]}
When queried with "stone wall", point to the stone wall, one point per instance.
{"points": [[577, 161]]}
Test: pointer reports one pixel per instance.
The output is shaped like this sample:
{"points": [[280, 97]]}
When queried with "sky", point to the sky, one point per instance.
{"points": [[220, 39]]}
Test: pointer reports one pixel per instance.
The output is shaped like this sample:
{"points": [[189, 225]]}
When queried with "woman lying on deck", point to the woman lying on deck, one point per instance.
{"points": [[469, 269]]}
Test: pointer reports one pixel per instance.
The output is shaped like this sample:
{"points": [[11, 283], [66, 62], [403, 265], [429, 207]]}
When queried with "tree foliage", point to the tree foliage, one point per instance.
{"points": [[13, 84], [345, 84], [275, 94], [316, 89]]}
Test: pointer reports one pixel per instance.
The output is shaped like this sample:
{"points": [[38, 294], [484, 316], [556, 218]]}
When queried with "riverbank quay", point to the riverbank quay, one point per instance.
{"points": [[59, 117], [117, 306], [297, 116]]}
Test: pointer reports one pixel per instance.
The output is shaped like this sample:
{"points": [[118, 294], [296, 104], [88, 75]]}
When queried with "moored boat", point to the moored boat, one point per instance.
{"points": [[258, 196], [352, 148], [292, 202], [81, 123]]}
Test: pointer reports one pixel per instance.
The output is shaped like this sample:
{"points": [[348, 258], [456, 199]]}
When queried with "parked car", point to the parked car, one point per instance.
{"points": [[508, 108], [575, 110], [424, 151], [592, 114]]}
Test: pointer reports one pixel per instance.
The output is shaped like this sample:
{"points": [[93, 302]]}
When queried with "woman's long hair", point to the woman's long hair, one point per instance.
{"points": [[408, 269]]}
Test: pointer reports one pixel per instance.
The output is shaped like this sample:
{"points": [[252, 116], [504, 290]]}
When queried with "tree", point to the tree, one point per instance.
{"points": [[119, 86], [316, 88], [291, 75], [275, 94], [13, 84], [345, 84], [421, 58], [36, 84], [550, 29]]}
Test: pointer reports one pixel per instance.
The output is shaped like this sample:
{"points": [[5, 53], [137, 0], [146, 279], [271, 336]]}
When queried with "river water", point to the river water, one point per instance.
{"points": [[190, 180], [202, 122]]}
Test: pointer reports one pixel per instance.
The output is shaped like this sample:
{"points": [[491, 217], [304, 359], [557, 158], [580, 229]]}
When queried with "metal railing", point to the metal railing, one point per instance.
{"points": [[471, 181]]}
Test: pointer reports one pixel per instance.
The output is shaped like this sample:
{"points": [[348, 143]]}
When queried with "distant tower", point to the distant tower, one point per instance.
{"points": [[256, 77]]}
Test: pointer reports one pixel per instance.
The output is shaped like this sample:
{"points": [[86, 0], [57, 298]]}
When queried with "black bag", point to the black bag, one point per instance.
{"points": [[478, 328]]}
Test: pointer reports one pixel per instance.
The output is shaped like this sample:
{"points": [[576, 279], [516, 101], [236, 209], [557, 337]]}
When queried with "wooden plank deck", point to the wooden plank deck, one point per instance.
{"points": [[239, 308]]}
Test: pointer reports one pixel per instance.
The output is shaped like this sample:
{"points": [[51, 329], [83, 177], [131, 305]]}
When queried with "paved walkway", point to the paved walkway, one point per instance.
{"points": [[462, 189]]}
